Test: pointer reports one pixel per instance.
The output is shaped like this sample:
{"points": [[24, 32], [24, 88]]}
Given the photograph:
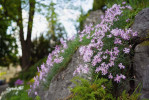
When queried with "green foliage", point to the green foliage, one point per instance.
{"points": [[37, 97], [56, 29], [8, 46], [98, 4], [137, 6], [122, 58], [82, 18], [86, 90], [126, 96], [17, 95], [99, 89]]}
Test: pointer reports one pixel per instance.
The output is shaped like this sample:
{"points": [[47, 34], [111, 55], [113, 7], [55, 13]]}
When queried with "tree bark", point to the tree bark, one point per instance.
{"points": [[26, 44]]}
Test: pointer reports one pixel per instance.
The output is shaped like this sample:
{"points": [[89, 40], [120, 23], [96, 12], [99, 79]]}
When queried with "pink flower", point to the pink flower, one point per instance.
{"points": [[122, 76], [112, 58], [104, 57], [126, 50], [82, 50], [87, 55], [111, 64], [103, 86], [36, 93], [58, 60], [116, 51], [117, 78], [81, 36], [124, 2], [85, 69], [127, 20], [121, 66], [63, 43], [81, 69], [110, 76], [134, 34], [109, 36], [115, 32], [117, 41], [129, 7], [19, 82]]}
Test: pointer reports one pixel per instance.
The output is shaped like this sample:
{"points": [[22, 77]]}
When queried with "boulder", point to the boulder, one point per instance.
{"points": [[60, 84], [141, 23], [141, 57], [94, 17]]}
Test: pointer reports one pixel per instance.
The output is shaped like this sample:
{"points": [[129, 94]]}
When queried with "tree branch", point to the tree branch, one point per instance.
{"points": [[30, 19]]}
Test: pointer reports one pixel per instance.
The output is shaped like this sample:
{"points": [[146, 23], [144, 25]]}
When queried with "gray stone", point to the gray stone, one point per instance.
{"points": [[60, 84], [94, 17], [141, 23], [141, 69], [141, 57]]}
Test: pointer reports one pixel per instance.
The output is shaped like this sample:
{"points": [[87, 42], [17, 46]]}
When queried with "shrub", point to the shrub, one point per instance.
{"points": [[87, 90]]}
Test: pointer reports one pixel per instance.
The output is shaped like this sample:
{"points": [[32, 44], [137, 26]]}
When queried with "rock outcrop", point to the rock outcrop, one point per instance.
{"points": [[59, 87], [141, 68], [94, 17], [141, 57], [141, 23]]}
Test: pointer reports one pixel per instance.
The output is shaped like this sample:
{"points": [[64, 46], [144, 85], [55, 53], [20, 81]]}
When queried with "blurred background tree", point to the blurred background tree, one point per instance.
{"points": [[13, 10], [8, 46]]}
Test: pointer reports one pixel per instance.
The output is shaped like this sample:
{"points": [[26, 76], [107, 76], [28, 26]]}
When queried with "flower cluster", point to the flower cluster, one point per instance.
{"points": [[53, 58], [19, 82], [8, 90], [81, 69], [97, 52]]}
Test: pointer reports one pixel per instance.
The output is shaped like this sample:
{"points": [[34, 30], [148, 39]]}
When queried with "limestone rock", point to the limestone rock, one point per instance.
{"points": [[141, 68], [59, 87], [94, 17], [141, 57], [141, 23]]}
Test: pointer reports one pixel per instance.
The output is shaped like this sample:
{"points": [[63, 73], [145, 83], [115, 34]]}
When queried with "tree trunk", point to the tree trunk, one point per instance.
{"points": [[25, 56], [26, 44]]}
